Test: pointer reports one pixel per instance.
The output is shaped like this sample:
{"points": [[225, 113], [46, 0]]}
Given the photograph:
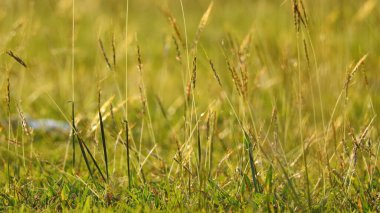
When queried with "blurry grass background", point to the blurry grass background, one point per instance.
{"points": [[40, 32]]}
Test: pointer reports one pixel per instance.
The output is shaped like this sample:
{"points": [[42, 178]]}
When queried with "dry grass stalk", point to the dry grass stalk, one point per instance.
{"points": [[276, 146], [245, 44], [141, 85], [139, 60], [188, 90], [99, 97], [210, 129], [14, 142], [191, 84], [179, 152], [243, 54], [231, 44], [304, 12], [306, 53], [174, 25], [104, 54], [238, 66], [214, 72], [235, 78], [199, 150], [194, 73], [8, 96], [113, 52], [366, 82], [27, 130], [244, 80], [359, 142], [17, 58], [275, 125], [297, 15], [142, 99], [356, 147], [178, 52], [112, 113], [352, 73], [161, 106], [202, 24], [114, 125], [127, 146], [185, 166]]}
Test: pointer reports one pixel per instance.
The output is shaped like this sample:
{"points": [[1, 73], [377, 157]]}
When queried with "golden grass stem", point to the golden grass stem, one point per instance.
{"points": [[73, 52], [128, 156], [298, 19], [126, 60]]}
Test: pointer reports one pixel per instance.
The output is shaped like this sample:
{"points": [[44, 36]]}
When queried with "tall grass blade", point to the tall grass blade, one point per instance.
{"points": [[200, 173], [84, 155], [249, 146], [294, 193], [128, 157], [103, 139], [268, 187], [92, 158], [73, 131], [126, 60], [113, 52]]}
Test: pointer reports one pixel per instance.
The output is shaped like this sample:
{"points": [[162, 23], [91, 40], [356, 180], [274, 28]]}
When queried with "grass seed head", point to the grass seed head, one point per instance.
{"points": [[104, 54], [17, 58], [194, 73], [215, 72], [202, 24], [27, 130], [178, 51]]}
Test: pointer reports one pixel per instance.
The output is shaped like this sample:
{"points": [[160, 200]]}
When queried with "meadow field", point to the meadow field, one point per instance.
{"points": [[189, 105]]}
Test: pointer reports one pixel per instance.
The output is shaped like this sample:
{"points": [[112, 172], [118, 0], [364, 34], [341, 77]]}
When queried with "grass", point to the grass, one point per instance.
{"points": [[190, 106]]}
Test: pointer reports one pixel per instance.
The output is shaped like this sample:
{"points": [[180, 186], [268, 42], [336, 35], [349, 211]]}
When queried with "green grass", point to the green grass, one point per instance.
{"points": [[190, 105]]}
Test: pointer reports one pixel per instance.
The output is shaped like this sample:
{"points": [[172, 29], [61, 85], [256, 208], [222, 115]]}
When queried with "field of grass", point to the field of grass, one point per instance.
{"points": [[189, 105]]}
